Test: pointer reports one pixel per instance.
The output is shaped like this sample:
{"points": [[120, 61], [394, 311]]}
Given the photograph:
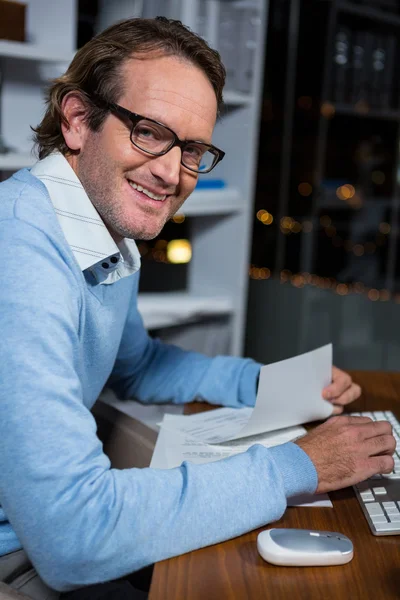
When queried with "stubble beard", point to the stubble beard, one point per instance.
{"points": [[99, 182]]}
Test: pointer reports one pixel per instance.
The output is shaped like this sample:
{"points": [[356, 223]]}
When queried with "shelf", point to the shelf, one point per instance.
{"points": [[213, 202], [167, 309], [332, 202], [232, 98], [370, 13], [13, 161], [26, 51], [373, 113]]}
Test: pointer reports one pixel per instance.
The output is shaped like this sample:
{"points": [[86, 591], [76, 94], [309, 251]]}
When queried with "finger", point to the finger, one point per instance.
{"points": [[348, 396], [339, 385], [380, 464], [381, 444], [377, 428], [337, 409]]}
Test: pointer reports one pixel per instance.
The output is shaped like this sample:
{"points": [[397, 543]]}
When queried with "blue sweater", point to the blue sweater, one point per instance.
{"points": [[63, 336]]}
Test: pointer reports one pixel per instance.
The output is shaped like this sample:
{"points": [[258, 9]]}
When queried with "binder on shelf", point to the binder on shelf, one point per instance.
{"points": [[248, 31], [382, 71], [359, 66], [238, 34], [377, 66], [388, 75], [396, 81], [228, 31], [341, 63], [201, 20]]}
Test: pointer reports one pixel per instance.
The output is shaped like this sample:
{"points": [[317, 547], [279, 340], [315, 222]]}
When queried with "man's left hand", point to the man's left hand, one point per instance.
{"points": [[341, 391]]}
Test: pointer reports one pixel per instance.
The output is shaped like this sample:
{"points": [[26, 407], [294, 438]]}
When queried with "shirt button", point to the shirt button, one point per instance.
{"points": [[114, 259], [105, 265]]}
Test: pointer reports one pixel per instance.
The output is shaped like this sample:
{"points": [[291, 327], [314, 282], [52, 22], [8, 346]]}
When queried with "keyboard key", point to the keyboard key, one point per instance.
{"points": [[395, 518], [392, 511], [379, 491], [369, 415], [381, 527], [367, 496], [379, 519], [380, 415], [374, 508], [389, 505]]}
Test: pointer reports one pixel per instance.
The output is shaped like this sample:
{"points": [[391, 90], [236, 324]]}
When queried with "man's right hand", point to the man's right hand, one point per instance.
{"points": [[346, 450]]}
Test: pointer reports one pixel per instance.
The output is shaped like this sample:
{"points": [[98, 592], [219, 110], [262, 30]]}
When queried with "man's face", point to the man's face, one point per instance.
{"points": [[173, 92]]}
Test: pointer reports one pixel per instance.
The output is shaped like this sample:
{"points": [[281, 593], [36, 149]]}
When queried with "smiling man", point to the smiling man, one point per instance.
{"points": [[127, 132], [136, 195]]}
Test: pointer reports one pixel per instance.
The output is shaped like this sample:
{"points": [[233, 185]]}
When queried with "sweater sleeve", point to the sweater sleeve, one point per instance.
{"points": [[80, 521], [154, 372]]}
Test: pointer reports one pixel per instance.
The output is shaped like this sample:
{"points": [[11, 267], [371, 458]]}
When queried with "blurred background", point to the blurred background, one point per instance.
{"points": [[292, 242]]}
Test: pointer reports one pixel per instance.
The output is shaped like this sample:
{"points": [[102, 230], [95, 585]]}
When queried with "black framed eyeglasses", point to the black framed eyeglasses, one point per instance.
{"points": [[158, 139]]}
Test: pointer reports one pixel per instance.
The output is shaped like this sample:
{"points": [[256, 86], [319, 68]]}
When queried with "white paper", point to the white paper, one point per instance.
{"points": [[173, 448], [220, 424], [321, 500], [289, 393]]}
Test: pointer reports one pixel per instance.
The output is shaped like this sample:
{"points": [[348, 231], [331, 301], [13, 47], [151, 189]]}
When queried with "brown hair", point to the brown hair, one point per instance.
{"points": [[96, 70]]}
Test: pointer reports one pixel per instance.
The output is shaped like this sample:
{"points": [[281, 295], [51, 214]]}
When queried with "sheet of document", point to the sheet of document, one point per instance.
{"points": [[173, 448], [218, 425], [289, 393]]}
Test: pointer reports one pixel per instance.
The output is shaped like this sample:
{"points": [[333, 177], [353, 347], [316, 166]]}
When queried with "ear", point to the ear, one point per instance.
{"points": [[75, 130]]}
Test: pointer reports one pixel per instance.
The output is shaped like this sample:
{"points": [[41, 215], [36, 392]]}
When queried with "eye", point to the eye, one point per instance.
{"points": [[194, 152], [147, 131]]}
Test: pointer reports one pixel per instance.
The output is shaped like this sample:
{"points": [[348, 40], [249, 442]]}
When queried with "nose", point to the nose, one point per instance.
{"points": [[168, 167]]}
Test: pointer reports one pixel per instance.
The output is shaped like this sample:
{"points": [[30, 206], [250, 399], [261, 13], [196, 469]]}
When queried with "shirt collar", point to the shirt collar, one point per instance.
{"points": [[84, 229]]}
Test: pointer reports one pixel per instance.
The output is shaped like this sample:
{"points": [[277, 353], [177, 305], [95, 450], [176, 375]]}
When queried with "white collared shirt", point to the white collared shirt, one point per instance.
{"points": [[84, 229]]}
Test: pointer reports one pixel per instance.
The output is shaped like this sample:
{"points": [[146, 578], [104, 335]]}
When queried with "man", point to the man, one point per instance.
{"points": [[117, 161]]}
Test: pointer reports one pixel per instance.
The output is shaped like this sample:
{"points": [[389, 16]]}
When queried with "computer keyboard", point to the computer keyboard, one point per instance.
{"points": [[379, 496]]}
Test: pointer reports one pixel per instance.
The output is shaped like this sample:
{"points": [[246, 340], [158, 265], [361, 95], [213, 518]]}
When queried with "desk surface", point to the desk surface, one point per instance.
{"points": [[234, 570]]}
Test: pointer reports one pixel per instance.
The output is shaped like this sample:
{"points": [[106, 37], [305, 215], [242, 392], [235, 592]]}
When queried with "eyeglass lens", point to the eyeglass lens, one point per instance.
{"points": [[156, 139]]}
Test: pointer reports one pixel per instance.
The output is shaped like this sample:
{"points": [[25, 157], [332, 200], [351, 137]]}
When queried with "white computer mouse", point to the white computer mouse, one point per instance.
{"points": [[304, 547]]}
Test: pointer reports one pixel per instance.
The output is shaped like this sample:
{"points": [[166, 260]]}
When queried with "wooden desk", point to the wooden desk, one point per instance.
{"points": [[234, 570]]}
